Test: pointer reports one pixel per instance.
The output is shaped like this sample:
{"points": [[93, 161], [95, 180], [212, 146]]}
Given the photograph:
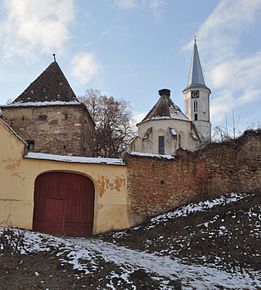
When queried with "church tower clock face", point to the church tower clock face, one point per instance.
{"points": [[194, 94]]}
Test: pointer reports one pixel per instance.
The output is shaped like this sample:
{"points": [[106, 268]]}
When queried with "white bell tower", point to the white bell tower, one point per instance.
{"points": [[196, 97]]}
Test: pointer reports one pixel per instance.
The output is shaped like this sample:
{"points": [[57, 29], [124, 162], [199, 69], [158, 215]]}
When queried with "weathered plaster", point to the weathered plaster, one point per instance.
{"points": [[18, 175]]}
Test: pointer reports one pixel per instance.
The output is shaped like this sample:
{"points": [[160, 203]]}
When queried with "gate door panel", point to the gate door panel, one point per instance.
{"points": [[54, 215], [63, 204]]}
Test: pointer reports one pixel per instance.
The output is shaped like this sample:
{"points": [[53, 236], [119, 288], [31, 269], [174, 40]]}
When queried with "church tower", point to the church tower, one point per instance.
{"points": [[196, 96]]}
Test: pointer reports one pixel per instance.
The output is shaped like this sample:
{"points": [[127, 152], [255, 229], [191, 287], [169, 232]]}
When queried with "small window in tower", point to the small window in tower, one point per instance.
{"points": [[42, 118], [161, 145], [196, 117], [195, 106], [179, 141], [65, 115], [23, 118], [30, 144]]}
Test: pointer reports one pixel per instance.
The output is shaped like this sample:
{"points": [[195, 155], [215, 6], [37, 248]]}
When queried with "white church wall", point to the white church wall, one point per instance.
{"points": [[149, 132], [199, 114]]}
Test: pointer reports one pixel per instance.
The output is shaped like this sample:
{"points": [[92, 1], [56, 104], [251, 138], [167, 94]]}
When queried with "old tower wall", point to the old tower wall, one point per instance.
{"points": [[61, 129]]}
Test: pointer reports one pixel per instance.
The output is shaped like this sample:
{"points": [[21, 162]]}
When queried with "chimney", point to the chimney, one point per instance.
{"points": [[164, 92]]}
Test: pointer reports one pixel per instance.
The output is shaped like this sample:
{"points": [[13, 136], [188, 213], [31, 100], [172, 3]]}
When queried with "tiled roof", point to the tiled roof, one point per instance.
{"points": [[50, 86], [165, 108]]}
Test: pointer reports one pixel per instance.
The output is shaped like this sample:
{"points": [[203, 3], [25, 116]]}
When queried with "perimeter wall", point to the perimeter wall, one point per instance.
{"points": [[127, 195], [157, 185]]}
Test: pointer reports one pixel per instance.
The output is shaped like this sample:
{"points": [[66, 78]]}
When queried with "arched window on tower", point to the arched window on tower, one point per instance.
{"points": [[161, 145], [195, 106]]}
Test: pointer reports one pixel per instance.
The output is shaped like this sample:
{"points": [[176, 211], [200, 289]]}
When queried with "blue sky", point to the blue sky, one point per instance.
{"points": [[131, 48]]}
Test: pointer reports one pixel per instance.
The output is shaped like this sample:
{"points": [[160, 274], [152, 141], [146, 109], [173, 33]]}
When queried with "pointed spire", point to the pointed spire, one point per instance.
{"points": [[195, 78], [195, 74]]}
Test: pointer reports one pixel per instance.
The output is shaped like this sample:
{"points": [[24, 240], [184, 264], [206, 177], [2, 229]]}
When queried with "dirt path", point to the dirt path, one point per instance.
{"points": [[201, 277]]}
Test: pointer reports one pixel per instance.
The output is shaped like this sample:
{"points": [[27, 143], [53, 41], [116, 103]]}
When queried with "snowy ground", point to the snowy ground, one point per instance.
{"points": [[110, 265]]}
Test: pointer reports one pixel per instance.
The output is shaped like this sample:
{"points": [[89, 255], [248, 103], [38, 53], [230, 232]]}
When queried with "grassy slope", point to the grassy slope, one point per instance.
{"points": [[227, 236]]}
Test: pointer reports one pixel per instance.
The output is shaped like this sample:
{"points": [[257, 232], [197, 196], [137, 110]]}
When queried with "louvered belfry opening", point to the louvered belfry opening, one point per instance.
{"points": [[63, 204]]}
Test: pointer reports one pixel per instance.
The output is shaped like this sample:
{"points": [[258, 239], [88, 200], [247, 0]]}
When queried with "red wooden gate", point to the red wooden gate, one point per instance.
{"points": [[63, 204]]}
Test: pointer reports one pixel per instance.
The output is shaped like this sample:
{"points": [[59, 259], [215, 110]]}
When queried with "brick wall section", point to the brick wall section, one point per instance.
{"points": [[158, 185], [66, 130]]}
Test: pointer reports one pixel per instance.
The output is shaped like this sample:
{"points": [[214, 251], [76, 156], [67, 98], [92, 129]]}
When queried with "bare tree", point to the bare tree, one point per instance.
{"points": [[113, 119]]}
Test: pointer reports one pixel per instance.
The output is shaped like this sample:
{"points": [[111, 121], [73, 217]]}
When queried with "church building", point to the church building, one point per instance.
{"points": [[166, 128], [50, 118]]}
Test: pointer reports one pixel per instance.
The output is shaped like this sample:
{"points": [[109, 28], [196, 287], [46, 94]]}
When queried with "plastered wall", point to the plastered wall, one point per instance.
{"points": [[18, 174], [149, 142]]}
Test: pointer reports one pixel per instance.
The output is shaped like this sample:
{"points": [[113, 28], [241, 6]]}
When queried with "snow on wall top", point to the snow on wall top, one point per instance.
{"points": [[169, 157], [74, 159], [40, 104]]}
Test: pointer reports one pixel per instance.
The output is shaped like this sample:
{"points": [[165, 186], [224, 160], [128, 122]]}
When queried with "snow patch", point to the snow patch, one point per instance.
{"points": [[74, 159], [169, 157], [40, 104], [196, 207]]}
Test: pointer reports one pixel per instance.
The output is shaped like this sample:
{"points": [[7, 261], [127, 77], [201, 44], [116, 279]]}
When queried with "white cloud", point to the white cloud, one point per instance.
{"points": [[220, 33], [235, 83], [139, 116], [238, 73], [234, 80], [35, 27], [126, 4], [249, 96], [221, 105], [154, 5], [85, 67]]}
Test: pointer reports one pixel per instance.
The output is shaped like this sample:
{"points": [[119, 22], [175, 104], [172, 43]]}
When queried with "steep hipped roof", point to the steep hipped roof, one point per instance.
{"points": [[50, 86], [165, 108], [195, 78]]}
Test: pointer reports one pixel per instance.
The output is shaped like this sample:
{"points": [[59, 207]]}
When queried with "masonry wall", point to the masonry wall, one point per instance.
{"points": [[158, 185], [64, 129], [127, 195]]}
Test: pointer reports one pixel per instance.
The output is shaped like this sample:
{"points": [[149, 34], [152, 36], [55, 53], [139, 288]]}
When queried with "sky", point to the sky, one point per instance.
{"points": [[129, 49]]}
